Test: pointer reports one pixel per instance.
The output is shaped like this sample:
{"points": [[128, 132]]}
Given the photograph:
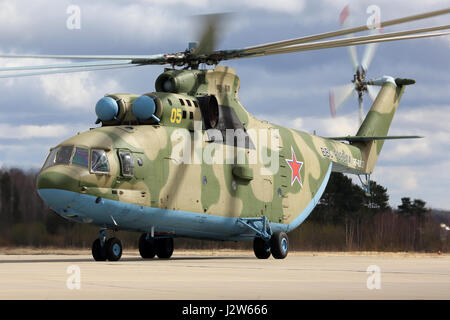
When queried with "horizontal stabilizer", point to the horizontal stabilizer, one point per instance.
{"points": [[361, 138]]}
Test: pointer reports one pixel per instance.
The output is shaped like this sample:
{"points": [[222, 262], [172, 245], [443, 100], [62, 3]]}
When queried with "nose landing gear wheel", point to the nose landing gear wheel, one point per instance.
{"points": [[113, 249], [279, 244], [261, 248], [146, 247], [164, 247]]}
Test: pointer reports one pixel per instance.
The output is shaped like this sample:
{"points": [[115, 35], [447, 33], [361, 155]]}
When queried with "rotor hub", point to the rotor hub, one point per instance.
{"points": [[359, 79]]}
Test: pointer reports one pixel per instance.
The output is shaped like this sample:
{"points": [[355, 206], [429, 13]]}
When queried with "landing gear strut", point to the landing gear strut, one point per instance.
{"points": [[151, 246], [266, 242], [103, 249]]}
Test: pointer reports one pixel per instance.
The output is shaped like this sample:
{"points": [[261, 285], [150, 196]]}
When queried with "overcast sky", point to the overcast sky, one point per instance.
{"points": [[39, 112]]}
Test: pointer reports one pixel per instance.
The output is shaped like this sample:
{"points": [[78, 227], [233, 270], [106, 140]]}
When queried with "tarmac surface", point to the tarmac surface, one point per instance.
{"points": [[221, 275]]}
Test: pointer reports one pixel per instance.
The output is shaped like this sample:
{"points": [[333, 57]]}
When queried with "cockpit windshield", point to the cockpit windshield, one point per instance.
{"points": [[70, 155], [81, 157], [50, 159], [63, 155], [60, 155]]}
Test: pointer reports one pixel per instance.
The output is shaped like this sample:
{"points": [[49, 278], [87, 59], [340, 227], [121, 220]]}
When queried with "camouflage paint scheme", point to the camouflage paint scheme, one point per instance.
{"points": [[204, 200]]}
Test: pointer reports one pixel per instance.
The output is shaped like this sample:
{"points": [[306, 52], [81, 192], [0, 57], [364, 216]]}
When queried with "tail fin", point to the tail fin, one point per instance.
{"points": [[379, 118]]}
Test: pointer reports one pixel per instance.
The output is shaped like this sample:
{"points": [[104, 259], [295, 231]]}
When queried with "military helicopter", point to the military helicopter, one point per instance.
{"points": [[188, 160]]}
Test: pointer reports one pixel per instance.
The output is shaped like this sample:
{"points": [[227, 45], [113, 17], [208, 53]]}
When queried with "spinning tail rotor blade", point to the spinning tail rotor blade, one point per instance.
{"points": [[338, 96], [360, 103], [353, 57], [344, 20], [371, 47], [368, 55], [370, 51], [373, 92]]}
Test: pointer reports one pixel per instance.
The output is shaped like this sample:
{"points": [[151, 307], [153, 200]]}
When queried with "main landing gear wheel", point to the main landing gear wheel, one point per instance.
{"points": [[103, 249], [164, 247], [98, 251], [261, 248], [279, 245], [113, 249], [147, 247]]}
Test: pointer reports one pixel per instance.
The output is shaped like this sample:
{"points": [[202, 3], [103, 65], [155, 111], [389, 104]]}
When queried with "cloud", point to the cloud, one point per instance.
{"points": [[20, 132], [285, 6], [427, 182], [78, 90], [323, 126], [429, 122], [29, 154]]}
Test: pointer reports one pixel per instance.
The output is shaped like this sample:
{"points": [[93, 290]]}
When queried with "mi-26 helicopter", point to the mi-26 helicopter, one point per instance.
{"points": [[188, 160]]}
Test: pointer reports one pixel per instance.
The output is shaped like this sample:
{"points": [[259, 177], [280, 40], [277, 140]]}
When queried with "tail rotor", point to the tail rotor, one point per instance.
{"points": [[340, 94]]}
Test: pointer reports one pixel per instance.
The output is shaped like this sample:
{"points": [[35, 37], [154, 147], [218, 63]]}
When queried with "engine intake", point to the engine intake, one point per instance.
{"points": [[144, 108], [178, 81], [106, 109]]}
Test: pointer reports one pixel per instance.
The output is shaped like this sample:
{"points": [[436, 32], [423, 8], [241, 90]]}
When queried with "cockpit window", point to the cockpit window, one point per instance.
{"points": [[81, 157], [63, 155], [127, 163], [99, 161], [50, 159]]}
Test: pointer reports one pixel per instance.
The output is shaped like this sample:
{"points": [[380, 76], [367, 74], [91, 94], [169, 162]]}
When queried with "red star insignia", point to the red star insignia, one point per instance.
{"points": [[295, 168]]}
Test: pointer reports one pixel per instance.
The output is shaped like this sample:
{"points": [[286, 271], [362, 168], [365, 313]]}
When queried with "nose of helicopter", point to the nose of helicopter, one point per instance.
{"points": [[54, 186]]}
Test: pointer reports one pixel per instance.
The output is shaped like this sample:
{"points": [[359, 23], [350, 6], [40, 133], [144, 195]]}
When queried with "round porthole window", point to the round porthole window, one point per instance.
{"points": [[205, 181], [139, 162]]}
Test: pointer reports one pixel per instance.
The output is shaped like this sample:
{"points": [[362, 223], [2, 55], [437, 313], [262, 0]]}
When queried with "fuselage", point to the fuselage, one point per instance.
{"points": [[178, 176]]}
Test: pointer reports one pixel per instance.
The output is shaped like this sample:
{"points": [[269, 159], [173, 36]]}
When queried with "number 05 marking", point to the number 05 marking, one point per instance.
{"points": [[175, 116]]}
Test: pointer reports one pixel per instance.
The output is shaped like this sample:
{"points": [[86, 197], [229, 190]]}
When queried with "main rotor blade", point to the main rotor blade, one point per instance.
{"points": [[439, 34], [81, 69], [69, 65], [393, 36], [332, 34], [211, 27], [149, 59]]}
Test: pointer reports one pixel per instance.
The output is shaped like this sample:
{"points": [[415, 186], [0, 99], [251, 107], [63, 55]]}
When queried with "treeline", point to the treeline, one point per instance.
{"points": [[345, 219]]}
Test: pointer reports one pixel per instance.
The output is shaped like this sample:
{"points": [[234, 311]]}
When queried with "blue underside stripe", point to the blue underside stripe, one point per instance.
{"points": [[83, 208]]}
